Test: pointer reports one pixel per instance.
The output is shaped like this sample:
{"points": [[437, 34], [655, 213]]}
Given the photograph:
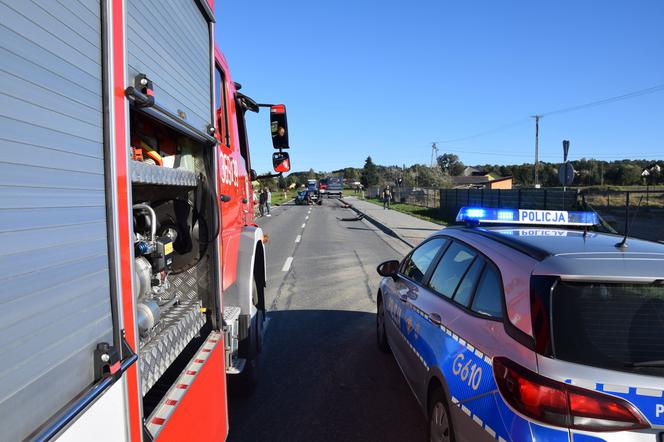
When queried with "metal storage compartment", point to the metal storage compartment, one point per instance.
{"points": [[55, 303], [169, 41]]}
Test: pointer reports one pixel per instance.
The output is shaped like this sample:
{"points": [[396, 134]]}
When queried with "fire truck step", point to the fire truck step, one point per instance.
{"points": [[237, 367], [234, 365], [170, 401]]}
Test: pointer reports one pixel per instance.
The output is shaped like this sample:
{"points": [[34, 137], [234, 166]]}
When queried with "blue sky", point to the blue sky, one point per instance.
{"points": [[386, 78]]}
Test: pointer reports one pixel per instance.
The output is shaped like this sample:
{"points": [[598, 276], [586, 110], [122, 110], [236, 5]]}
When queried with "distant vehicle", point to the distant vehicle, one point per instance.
{"points": [[312, 188], [301, 198], [334, 185], [322, 187], [537, 332]]}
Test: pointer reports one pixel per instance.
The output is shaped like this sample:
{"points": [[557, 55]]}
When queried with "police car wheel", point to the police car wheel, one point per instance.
{"points": [[440, 424], [381, 335]]}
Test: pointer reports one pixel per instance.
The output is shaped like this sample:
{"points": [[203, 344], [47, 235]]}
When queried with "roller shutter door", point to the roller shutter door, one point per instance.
{"points": [[169, 41], [54, 267]]}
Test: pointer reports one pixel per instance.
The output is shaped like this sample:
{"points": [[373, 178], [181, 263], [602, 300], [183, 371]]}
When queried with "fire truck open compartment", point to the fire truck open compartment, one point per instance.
{"points": [[175, 221], [174, 247]]}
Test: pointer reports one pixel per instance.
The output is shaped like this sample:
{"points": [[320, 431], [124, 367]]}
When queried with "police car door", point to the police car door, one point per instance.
{"points": [[430, 316], [414, 271]]}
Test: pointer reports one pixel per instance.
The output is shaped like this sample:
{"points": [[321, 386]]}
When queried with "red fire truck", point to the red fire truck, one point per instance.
{"points": [[132, 273]]}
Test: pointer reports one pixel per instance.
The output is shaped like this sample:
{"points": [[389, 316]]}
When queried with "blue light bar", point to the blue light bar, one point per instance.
{"points": [[485, 215]]}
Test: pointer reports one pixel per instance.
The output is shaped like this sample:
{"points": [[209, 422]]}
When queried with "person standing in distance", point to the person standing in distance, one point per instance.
{"points": [[261, 202], [387, 196], [268, 200]]}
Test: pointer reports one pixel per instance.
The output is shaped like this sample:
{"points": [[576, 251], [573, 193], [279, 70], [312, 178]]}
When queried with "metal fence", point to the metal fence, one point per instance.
{"points": [[646, 205], [417, 196], [451, 200], [640, 209]]}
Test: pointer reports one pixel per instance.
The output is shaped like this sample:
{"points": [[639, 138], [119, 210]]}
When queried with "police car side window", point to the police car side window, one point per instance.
{"points": [[466, 288], [416, 266], [451, 268], [488, 296]]}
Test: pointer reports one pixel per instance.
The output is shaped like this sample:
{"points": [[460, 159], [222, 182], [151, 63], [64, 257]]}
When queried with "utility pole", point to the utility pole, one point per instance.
{"points": [[434, 153], [537, 118]]}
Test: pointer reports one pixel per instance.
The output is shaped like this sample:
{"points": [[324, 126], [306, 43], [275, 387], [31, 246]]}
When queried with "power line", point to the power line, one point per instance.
{"points": [[499, 153], [487, 132], [639, 93], [633, 94]]}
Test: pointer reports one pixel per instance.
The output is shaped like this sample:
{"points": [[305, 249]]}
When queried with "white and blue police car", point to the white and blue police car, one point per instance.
{"points": [[529, 329]]}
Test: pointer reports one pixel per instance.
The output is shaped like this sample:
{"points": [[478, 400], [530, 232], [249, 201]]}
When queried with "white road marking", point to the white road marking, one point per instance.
{"points": [[306, 217], [287, 264], [304, 225], [299, 238]]}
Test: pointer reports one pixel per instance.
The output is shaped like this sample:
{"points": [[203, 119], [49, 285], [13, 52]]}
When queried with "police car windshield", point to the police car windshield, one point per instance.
{"points": [[617, 326]]}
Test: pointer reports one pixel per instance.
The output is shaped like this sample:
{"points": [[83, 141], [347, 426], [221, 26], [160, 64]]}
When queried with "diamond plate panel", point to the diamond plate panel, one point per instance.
{"points": [[189, 283], [231, 313], [176, 329]]}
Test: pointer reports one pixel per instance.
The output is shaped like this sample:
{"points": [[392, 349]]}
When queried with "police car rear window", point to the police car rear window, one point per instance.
{"points": [[617, 326], [488, 297]]}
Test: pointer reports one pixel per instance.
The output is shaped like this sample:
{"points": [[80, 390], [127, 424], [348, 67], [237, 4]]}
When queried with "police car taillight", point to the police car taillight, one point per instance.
{"points": [[563, 405]]}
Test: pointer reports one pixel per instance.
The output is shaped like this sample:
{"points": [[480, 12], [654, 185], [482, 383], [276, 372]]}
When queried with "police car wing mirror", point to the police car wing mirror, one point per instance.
{"points": [[388, 268], [279, 126]]}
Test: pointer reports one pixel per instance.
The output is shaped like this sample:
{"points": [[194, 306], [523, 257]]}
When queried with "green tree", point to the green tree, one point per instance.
{"points": [[432, 177], [350, 174], [369, 173], [282, 182], [450, 164]]}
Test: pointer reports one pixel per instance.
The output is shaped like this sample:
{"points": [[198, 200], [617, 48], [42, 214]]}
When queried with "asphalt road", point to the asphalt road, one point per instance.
{"points": [[322, 377]]}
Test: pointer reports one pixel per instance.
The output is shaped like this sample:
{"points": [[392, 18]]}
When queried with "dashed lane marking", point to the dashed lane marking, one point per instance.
{"points": [[306, 217], [304, 225], [287, 264], [299, 238]]}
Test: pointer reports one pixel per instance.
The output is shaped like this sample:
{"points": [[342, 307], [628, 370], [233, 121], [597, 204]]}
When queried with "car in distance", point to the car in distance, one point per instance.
{"points": [[334, 186], [518, 332], [312, 190], [322, 187]]}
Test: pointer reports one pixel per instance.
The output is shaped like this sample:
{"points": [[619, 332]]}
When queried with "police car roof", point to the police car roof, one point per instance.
{"points": [[571, 253]]}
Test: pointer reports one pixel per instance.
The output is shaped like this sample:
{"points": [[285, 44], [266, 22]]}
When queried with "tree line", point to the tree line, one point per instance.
{"points": [[589, 172]]}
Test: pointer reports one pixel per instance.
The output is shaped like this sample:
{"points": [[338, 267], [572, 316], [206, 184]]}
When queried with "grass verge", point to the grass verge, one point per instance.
{"points": [[426, 213]]}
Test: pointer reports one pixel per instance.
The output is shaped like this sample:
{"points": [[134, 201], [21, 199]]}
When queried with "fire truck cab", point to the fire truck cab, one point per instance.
{"points": [[132, 273]]}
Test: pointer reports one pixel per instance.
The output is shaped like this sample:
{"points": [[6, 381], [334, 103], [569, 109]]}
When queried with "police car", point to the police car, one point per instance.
{"points": [[529, 329]]}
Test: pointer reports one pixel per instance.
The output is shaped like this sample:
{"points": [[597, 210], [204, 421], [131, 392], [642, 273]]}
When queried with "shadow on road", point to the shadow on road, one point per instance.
{"points": [[323, 379]]}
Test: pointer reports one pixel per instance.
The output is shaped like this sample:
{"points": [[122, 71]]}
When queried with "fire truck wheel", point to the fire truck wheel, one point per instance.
{"points": [[257, 296]]}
